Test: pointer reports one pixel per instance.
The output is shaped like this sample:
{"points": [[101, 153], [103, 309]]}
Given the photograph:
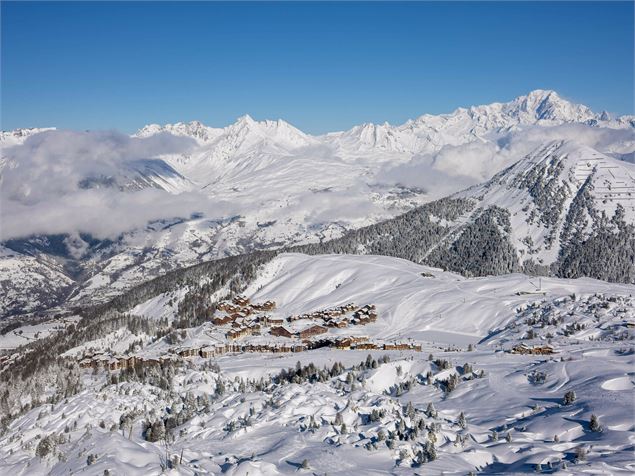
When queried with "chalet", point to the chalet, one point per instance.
{"points": [[85, 363], [240, 301], [187, 352], [233, 347], [238, 323], [312, 331], [396, 346], [535, 350], [344, 343], [233, 334], [262, 319], [164, 359], [357, 339], [275, 321], [228, 307], [281, 331], [366, 346], [208, 352], [221, 320], [265, 306]]}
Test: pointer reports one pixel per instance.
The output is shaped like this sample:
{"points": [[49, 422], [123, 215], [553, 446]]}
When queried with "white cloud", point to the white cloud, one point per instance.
{"points": [[43, 184], [453, 168]]}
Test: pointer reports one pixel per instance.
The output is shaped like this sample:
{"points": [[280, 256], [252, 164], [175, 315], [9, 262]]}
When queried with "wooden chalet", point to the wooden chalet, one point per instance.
{"points": [[281, 331], [265, 306], [312, 331], [221, 320], [240, 301], [535, 350], [366, 346]]}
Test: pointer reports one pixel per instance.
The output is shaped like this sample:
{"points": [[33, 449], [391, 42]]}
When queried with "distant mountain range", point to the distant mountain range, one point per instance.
{"points": [[545, 182]]}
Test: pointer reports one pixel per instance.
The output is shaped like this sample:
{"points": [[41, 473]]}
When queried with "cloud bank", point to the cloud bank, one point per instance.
{"points": [[100, 183], [65, 182], [454, 168]]}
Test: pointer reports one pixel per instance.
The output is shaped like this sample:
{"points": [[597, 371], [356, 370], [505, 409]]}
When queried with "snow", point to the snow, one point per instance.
{"points": [[269, 184], [29, 333], [445, 308], [273, 185]]}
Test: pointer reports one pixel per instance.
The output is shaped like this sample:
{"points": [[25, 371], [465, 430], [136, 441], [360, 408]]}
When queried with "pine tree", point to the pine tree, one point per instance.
{"points": [[594, 424], [569, 398], [462, 421], [410, 411]]}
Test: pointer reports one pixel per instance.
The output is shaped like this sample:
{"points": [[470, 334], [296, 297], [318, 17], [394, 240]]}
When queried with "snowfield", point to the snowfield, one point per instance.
{"points": [[465, 403]]}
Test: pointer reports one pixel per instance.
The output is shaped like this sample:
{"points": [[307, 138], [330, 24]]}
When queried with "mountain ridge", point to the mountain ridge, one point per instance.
{"points": [[269, 185]]}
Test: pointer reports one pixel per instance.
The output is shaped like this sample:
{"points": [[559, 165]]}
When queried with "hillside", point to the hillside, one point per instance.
{"points": [[468, 400], [546, 214]]}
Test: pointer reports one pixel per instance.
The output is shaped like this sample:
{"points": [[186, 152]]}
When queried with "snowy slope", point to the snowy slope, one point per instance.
{"points": [[445, 307], [391, 413], [29, 283], [544, 193]]}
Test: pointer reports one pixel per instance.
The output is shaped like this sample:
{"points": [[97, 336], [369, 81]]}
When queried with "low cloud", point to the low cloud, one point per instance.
{"points": [[454, 168], [65, 182], [75, 182]]}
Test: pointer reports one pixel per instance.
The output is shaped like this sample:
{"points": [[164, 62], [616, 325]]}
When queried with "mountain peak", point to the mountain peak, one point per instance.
{"points": [[547, 105], [245, 119], [194, 129]]}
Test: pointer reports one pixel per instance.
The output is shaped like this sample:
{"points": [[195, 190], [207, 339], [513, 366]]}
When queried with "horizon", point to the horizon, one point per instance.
{"points": [[321, 68]]}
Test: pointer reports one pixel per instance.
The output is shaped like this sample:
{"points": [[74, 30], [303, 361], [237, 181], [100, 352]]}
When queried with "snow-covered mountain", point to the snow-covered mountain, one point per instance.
{"points": [[428, 132], [265, 184], [564, 209], [18, 136], [193, 129], [559, 194]]}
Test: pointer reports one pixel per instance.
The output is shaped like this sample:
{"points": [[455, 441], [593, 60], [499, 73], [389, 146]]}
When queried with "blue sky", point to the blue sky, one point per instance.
{"points": [[320, 66]]}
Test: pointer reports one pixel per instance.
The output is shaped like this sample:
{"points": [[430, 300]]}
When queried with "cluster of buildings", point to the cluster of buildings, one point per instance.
{"points": [[118, 362], [336, 316], [341, 343], [243, 318], [535, 350], [240, 313], [362, 343]]}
